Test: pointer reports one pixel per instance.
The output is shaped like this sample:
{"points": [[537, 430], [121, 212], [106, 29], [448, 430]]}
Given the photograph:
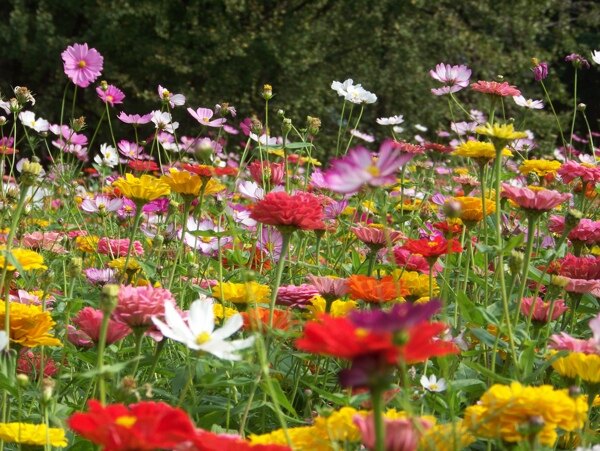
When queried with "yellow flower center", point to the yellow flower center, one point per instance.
{"points": [[127, 421], [432, 244], [373, 170], [109, 98], [81, 64], [206, 119], [202, 338], [361, 333], [166, 94], [433, 387]]}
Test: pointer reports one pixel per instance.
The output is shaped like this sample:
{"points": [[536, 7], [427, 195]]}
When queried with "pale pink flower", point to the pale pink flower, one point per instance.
{"points": [[173, 99], [101, 204], [82, 64], [570, 170], [329, 287], [101, 276], [400, 435], [296, 295], [131, 150], [377, 236], [454, 78], [539, 200], [204, 115], [137, 305], [495, 88], [134, 119], [47, 241]]}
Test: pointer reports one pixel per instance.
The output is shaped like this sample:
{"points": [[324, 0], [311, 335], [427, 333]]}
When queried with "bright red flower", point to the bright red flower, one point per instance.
{"points": [[200, 169], [339, 337], [431, 249], [208, 441], [142, 426], [300, 210], [423, 343], [143, 165]]}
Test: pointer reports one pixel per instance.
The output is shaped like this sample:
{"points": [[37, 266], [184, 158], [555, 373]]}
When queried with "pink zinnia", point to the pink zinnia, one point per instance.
{"points": [[586, 231], [375, 236], [538, 200], [48, 241], [203, 116], [110, 95], [496, 89], [137, 305], [329, 287], [88, 321], [413, 262], [541, 309], [82, 64], [570, 170], [118, 247], [359, 167], [30, 363], [296, 295], [272, 172], [454, 78], [400, 435]]}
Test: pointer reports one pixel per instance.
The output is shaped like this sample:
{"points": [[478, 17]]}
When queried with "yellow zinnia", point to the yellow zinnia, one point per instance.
{"points": [[574, 364], [213, 187], [471, 208], [87, 243], [29, 325], [503, 132], [32, 434], [505, 410], [416, 283], [242, 293], [539, 167], [479, 150], [142, 190], [222, 312], [26, 258], [119, 264], [339, 308], [183, 182], [446, 437]]}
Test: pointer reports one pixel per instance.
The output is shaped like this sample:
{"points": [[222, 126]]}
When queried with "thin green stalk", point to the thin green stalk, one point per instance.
{"points": [[136, 224], [531, 223], [377, 402], [562, 136], [285, 243], [138, 334], [362, 108], [100, 362], [574, 112], [184, 217], [337, 146]]}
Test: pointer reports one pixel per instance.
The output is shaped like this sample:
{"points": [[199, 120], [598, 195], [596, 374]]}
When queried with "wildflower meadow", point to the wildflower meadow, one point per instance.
{"points": [[232, 285]]}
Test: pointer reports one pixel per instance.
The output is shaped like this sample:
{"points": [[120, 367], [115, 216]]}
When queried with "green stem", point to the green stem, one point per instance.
{"points": [[562, 136], [285, 242], [138, 333], [100, 362], [136, 224], [574, 113], [362, 108], [184, 217], [377, 402], [337, 146], [531, 222]]}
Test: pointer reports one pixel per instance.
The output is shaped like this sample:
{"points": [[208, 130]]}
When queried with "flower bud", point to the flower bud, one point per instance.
{"points": [[256, 127], [452, 208], [267, 92], [48, 389], [104, 85], [515, 262], [75, 266], [313, 125], [581, 107], [30, 172], [572, 219], [78, 124], [574, 391], [109, 298], [286, 126], [559, 281], [2, 120], [22, 380]]}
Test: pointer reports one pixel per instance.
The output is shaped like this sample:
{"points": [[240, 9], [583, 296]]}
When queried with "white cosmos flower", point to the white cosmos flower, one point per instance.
{"points": [[528, 103], [342, 88], [432, 384], [198, 331], [358, 94], [28, 119], [393, 120], [162, 121], [596, 56], [108, 156]]}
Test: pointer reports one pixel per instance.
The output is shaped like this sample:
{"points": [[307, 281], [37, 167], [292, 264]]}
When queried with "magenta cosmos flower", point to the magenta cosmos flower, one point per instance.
{"points": [[454, 78], [538, 200], [111, 94], [203, 115], [82, 65], [360, 167], [134, 119]]}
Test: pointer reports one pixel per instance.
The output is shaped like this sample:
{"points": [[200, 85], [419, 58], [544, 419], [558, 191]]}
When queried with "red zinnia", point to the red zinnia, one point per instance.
{"points": [[423, 343], [339, 337], [142, 426], [431, 249], [209, 441], [496, 89], [300, 210], [143, 165]]}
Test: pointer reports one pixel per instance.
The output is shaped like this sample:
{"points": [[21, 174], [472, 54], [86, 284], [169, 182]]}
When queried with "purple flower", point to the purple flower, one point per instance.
{"points": [[296, 295], [110, 95], [100, 276], [454, 78], [401, 316], [540, 71], [82, 65], [134, 119], [366, 371], [578, 61], [203, 116], [348, 174], [158, 206]]}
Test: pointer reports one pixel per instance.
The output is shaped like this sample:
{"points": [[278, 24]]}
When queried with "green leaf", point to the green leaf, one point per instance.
{"points": [[279, 395], [298, 145], [487, 338], [486, 372]]}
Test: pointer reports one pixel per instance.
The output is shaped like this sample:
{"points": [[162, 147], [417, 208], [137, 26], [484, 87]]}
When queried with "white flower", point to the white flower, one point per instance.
{"points": [[593, 448], [108, 156], [596, 56], [3, 340], [272, 141], [342, 88], [28, 119], [528, 103], [250, 190], [198, 332], [173, 99], [364, 136], [358, 94], [5, 106], [162, 121], [397, 129], [432, 384], [393, 120], [420, 127]]}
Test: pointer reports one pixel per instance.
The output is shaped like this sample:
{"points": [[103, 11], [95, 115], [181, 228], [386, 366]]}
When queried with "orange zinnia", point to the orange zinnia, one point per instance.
{"points": [[370, 289]]}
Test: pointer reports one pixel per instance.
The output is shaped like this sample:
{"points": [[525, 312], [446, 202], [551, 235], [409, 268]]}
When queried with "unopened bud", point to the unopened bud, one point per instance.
{"points": [[104, 85], [313, 125], [2, 120], [29, 172], [22, 380], [109, 298], [559, 281], [581, 107], [572, 219], [193, 269], [574, 391], [515, 262], [267, 92], [452, 208], [48, 389], [256, 127], [75, 266], [286, 126], [158, 241]]}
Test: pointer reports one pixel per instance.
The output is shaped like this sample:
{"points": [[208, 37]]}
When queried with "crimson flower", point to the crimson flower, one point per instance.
{"points": [[431, 249], [143, 165], [300, 210], [209, 441], [143, 426]]}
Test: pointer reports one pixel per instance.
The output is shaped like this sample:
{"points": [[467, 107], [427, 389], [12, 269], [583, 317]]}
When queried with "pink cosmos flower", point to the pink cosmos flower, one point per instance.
{"points": [[296, 295], [570, 170], [400, 435], [118, 247], [541, 309], [539, 200], [329, 287], [173, 99], [208, 243], [495, 88], [100, 276], [203, 116], [131, 150], [454, 78], [134, 119], [359, 167], [110, 95], [81, 64], [101, 204], [86, 331], [270, 242], [137, 305]]}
